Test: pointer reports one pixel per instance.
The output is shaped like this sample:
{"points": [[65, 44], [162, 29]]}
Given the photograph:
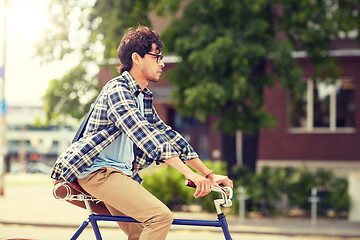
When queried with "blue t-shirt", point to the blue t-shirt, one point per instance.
{"points": [[119, 154]]}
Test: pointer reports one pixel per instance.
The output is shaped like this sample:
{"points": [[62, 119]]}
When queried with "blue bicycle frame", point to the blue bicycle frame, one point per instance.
{"points": [[93, 218], [226, 201]]}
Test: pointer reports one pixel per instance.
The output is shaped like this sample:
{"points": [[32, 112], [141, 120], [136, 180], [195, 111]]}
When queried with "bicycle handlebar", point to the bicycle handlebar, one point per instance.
{"points": [[224, 191]]}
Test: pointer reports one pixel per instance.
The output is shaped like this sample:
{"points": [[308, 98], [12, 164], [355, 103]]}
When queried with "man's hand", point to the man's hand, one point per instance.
{"points": [[220, 179], [215, 179], [203, 185]]}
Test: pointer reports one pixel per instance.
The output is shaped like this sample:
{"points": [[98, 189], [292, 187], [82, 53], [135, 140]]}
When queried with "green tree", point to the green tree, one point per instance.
{"points": [[70, 96], [89, 31], [230, 51], [226, 47]]}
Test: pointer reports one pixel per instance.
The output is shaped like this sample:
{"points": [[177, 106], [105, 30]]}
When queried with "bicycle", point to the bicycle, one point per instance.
{"points": [[73, 192]]}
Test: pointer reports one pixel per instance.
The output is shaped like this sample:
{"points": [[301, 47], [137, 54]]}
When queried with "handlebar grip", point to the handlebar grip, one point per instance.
{"points": [[190, 183]]}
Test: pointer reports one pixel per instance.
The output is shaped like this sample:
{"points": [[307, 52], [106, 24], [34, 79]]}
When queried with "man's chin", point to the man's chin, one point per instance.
{"points": [[155, 80]]}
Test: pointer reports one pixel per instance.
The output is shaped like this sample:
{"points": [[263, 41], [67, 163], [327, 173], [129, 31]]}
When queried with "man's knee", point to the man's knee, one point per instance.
{"points": [[166, 215], [169, 216]]}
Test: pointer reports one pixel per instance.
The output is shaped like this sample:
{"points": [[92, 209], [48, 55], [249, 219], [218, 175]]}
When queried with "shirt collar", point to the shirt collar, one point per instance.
{"points": [[134, 86]]}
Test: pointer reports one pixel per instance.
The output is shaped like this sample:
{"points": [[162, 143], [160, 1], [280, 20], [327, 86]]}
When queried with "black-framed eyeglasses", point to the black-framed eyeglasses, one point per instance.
{"points": [[159, 57]]}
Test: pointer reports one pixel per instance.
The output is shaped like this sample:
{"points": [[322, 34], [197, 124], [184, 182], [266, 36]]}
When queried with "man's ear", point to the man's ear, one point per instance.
{"points": [[135, 58]]}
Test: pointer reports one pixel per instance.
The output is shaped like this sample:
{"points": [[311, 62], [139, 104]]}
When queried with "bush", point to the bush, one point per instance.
{"points": [[272, 191], [167, 184], [275, 191]]}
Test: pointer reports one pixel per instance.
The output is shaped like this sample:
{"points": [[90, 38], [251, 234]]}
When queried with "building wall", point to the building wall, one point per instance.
{"points": [[336, 150]]}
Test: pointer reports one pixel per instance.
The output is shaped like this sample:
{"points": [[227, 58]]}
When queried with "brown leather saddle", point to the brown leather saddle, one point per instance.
{"points": [[75, 194]]}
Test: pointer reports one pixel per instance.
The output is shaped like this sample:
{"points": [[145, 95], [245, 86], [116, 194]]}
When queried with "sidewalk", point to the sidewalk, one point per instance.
{"points": [[28, 200]]}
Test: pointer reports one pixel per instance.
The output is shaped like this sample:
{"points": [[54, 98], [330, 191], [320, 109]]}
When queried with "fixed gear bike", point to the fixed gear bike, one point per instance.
{"points": [[72, 192]]}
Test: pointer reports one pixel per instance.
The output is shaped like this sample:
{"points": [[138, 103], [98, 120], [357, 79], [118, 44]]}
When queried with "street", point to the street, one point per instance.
{"points": [[56, 233]]}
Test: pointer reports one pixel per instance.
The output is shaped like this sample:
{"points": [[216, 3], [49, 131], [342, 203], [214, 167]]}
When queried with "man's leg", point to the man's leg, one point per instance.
{"points": [[132, 230], [127, 196]]}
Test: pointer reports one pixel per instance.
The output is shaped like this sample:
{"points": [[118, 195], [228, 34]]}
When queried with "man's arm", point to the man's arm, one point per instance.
{"points": [[124, 113], [183, 148], [203, 185]]}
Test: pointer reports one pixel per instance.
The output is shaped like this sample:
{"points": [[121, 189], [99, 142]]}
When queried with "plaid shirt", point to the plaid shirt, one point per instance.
{"points": [[116, 112]]}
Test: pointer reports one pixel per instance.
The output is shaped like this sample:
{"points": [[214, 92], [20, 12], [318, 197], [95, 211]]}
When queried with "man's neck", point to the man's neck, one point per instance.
{"points": [[139, 79]]}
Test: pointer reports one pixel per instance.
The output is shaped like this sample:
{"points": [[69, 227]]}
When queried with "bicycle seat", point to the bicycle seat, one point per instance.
{"points": [[76, 195], [75, 185]]}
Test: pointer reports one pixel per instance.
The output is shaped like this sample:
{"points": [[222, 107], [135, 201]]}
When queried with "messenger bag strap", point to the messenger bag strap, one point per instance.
{"points": [[82, 127]]}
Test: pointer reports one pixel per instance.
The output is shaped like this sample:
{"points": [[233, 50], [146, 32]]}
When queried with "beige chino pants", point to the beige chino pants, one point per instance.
{"points": [[124, 196]]}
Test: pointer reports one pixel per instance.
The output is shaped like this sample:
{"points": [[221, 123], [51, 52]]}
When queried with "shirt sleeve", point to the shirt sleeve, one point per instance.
{"points": [[124, 113], [186, 152]]}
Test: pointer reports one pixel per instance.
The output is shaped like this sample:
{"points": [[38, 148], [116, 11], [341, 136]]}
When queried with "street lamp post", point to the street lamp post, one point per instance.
{"points": [[3, 106], [314, 199]]}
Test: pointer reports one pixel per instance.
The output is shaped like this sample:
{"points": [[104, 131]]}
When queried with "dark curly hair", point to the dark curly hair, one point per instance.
{"points": [[139, 40]]}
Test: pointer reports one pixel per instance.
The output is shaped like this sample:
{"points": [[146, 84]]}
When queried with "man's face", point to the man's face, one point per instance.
{"points": [[152, 64]]}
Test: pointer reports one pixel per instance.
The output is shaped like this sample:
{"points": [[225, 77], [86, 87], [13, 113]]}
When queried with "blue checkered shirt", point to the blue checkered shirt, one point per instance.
{"points": [[117, 112]]}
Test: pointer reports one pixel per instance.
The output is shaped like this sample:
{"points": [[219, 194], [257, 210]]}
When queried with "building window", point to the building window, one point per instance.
{"points": [[324, 107]]}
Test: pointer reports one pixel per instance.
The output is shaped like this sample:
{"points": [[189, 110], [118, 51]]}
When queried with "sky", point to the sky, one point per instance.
{"points": [[26, 80]]}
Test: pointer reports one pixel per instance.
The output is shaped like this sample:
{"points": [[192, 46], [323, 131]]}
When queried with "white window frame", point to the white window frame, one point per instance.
{"points": [[309, 128]]}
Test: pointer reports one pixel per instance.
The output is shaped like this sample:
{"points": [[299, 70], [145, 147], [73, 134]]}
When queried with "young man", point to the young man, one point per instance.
{"points": [[124, 134]]}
